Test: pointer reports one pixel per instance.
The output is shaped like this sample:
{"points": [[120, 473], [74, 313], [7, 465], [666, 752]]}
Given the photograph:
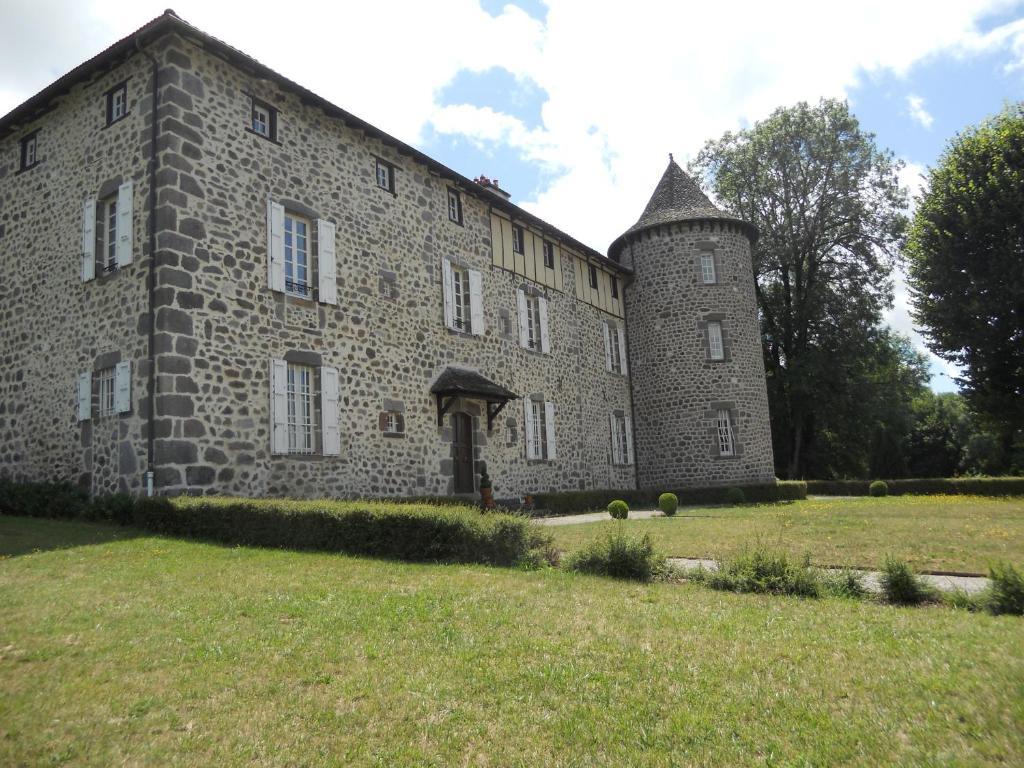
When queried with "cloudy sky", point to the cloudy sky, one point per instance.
{"points": [[573, 107]]}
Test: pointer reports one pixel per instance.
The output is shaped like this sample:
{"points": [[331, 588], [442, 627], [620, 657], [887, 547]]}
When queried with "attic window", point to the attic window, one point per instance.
{"points": [[549, 255], [29, 151], [385, 175], [615, 287], [454, 206], [517, 239], [263, 120], [593, 276], [117, 103]]}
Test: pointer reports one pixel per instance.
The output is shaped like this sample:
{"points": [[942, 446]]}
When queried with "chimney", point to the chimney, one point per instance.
{"points": [[491, 185]]}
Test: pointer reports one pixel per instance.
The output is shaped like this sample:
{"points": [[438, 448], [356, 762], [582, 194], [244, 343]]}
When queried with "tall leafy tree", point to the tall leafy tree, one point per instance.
{"points": [[966, 267], [829, 207]]}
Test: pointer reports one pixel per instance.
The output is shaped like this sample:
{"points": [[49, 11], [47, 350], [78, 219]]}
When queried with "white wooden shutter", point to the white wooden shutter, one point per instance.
{"points": [[84, 396], [545, 339], [279, 406], [88, 239], [549, 419], [622, 351], [123, 250], [524, 327], [629, 440], [329, 410], [531, 429], [123, 387], [476, 303], [275, 245], [616, 458], [328, 264], [448, 285], [607, 346]]}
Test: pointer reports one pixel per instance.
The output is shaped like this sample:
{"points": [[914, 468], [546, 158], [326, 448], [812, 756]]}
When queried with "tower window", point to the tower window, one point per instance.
{"points": [[707, 268], [725, 438], [716, 349]]}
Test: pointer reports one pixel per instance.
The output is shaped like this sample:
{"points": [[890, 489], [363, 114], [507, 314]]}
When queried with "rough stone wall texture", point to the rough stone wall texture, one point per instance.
{"points": [[677, 388], [53, 325], [219, 325]]}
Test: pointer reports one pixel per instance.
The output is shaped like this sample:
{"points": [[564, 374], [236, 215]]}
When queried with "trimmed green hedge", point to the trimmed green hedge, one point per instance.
{"points": [[573, 502], [379, 529], [974, 486]]}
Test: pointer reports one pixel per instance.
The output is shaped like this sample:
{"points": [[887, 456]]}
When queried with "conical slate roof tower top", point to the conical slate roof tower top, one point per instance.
{"points": [[677, 198]]}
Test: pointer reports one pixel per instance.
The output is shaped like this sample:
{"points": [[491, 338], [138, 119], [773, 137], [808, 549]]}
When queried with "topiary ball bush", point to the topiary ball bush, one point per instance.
{"points": [[735, 496], [668, 503], [618, 509], [878, 488]]}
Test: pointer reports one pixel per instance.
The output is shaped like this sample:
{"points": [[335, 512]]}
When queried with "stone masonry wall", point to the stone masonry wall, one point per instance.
{"points": [[677, 389]]}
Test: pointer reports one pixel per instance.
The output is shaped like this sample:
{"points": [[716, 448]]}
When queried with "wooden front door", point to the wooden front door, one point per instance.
{"points": [[462, 452]]}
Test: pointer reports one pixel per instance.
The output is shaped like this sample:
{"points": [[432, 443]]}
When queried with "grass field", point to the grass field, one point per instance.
{"points": [[951, 533], [128, 649]]}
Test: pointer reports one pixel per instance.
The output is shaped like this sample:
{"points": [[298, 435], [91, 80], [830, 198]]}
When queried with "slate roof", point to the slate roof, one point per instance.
{"points": [[459, 381], [169, 21], [676, 198]]}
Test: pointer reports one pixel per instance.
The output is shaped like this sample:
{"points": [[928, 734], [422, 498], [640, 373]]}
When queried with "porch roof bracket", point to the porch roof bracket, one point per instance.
{"points": [[444, 404], [493, 409]]}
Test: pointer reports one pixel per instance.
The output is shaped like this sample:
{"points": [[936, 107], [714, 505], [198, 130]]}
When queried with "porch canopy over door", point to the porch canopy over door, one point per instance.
{"points": [[454, 383]]}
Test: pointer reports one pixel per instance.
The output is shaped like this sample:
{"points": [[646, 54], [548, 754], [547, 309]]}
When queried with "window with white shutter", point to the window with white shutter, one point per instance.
{"points": [[623, 367], [327, 262], [84, 393], [540, 429], [542, 321], [476, 303], [124, 249], [123, 387], [608, 361], [275, 246], [551, 451], [88, 239], [329, 398], [533, 450], [628, 427], [279, 406]]}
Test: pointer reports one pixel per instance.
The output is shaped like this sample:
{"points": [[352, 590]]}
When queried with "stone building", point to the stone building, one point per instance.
{"points": [[214, 280]]}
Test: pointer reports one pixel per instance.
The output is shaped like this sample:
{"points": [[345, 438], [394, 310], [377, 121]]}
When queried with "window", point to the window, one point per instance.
{"points": [[29, 151], [296, 255], [460, 299], [385, 175], [533, 323], [725, 442], [117, 103], [106, 389], [707, 268], [614, 349], [300, 409], [263, 120], [391, 421], [621, 440], [454, 206], [538, 430], [716, 349], [505, 323], [593, 276], [517, 239], [615, 287], [549, 255], [107, 231], [387, 289]]}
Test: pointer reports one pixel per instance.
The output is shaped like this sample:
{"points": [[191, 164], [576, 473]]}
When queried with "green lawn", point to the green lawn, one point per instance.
{"points": [[952, 533], [138, 650]]}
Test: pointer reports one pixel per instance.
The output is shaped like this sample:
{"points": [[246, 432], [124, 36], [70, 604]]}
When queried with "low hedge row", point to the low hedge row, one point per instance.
{"points": [[572, 502], [975, 486]]}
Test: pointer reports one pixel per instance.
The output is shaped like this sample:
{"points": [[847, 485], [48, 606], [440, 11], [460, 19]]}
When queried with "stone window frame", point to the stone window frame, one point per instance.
{"points": [[29, 141], [271, 121], [110, 102], [104, 367], [314, 362], [518, 239], [704, 248], [711, 418], [614, 351], [386, 166], [456, 196], [391, 420], [387, 285], [702, 326], [299, 210]]}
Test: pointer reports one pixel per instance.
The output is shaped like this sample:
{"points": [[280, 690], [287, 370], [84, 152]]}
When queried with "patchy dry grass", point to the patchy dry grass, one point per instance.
{"points": [[952, 533], [142, 650]]}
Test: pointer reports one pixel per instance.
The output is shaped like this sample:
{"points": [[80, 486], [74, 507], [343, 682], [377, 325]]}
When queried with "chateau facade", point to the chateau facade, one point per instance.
{"points": [[249, 290]]}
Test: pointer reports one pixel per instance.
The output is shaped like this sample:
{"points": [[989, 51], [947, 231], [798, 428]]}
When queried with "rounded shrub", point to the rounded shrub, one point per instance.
{"points": [[878, 488], [735, 496], [668, 503], [618, 509]]}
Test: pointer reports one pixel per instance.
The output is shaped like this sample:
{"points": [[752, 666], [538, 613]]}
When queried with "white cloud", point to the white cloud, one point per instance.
{"points": [[915, 104]]}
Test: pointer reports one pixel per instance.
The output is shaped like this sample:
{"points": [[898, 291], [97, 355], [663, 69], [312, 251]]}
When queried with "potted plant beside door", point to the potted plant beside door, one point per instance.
{"points": [[486, 494]]}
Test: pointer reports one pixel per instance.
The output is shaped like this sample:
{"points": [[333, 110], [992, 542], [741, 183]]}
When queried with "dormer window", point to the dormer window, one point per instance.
{"points": [[385, 176], [29, 151], [593, 276], [117, 103], [549, 255], [454, 206], [263, 120], [615, 287], [517, 239]]}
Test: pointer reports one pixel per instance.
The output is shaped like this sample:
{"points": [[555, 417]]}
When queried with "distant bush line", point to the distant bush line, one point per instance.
{"points": [[973, 486], [572, 502]]}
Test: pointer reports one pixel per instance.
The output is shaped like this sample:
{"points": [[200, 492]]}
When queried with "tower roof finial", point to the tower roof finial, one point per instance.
{"points": [[670, 158]]}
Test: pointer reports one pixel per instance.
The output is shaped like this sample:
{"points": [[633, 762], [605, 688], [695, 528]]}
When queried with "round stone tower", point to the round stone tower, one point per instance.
{"points": [[699, 398]]}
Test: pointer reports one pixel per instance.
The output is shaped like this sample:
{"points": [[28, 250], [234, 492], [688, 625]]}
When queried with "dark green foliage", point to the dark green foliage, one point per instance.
{"points": [[668, 503], [843, 583], [966, 267], [378, 529], [1005, 592], [119, 508], [759, 570], [878, 488], [975, 486], [618, 509], [619, 556], [902, 586], [735, 496], [574, 502], [829, 207], [42, 499]]}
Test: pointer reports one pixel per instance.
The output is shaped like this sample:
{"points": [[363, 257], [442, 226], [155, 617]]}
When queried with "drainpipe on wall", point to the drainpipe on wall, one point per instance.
{"points": [[632, 402], [151, 277]]}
